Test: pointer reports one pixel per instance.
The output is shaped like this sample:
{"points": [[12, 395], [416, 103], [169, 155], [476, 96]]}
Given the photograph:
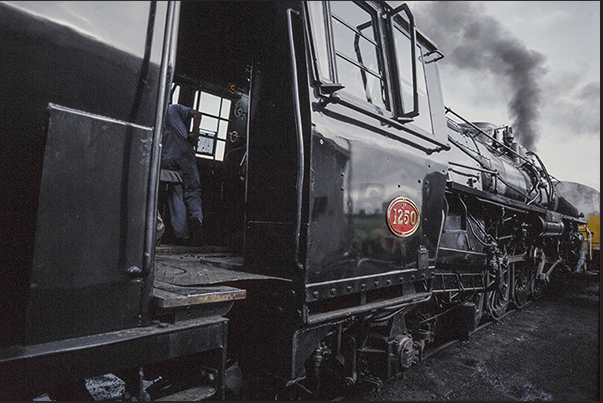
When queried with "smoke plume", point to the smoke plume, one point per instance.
{"points": [[471, 39]]}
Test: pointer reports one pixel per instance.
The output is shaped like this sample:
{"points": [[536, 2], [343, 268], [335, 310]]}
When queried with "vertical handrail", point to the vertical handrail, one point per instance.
{"points": [[166, 72], [300, 138]]}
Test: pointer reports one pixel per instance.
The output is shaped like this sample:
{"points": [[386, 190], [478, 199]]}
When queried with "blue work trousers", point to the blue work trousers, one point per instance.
{"points": [[184, 200]]}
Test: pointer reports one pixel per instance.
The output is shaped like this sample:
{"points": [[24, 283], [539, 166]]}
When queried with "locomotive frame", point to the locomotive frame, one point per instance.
{"points": [[348, 222]]}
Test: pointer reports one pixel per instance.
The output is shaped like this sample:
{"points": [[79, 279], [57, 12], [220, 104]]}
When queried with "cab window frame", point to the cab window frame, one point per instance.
{"points": [[328, 76], [322, 37], [424, 52], [399, 25]]}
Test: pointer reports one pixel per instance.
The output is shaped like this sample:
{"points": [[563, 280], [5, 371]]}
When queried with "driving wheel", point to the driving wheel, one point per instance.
{"points": [[522, 280], [498, 283]]}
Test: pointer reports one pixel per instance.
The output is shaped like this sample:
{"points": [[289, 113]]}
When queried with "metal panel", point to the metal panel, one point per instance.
{"points": [[90, 226], [356, 171], [69, 360]]}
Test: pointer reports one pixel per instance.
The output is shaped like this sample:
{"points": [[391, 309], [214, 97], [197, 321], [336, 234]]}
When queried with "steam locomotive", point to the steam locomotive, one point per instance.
{"points": [[351, 219]]}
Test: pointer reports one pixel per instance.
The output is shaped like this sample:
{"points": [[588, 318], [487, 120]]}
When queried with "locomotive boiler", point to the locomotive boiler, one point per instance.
{"points": [[504, 213], [351, 220]]}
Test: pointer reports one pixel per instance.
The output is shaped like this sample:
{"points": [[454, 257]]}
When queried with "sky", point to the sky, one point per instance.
{"points": [[533, 65]]}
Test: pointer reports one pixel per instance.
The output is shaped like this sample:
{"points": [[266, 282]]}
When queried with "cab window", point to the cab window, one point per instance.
{"points": [[358, 54], [414, 103], [348, 50], [213, 127], [423, 119]]}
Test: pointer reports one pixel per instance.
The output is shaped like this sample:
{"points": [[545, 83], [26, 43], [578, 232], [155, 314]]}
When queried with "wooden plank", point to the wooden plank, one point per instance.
{"points": [[169, 296]]}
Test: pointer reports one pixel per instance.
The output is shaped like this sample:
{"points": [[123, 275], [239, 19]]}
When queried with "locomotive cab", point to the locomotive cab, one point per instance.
{"points": [[322, 175]]}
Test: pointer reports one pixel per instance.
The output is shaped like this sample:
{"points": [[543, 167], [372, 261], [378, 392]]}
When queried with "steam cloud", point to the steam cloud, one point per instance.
{"points": [[472, 40]]}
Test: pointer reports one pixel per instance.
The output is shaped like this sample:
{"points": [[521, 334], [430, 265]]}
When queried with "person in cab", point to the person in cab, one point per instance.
{"points": [[178, 154]]}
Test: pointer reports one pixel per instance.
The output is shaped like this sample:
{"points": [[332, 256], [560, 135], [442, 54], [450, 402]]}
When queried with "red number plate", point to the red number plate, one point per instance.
{"points": [[403, 217]]}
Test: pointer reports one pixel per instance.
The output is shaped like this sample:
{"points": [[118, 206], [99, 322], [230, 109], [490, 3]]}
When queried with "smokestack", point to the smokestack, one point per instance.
{"points": [[473, 40]]}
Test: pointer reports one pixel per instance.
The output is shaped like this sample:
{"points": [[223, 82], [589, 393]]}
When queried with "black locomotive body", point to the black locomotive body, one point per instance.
{"points": [[345, 214]]}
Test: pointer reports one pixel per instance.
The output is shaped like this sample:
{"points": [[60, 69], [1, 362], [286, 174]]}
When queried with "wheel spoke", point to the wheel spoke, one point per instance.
{"points": [[522, 284], [498, 297]]}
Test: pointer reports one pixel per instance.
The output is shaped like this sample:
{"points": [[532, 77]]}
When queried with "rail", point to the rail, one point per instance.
{"points": [[300, 137], [166, 71], [509, 149]]}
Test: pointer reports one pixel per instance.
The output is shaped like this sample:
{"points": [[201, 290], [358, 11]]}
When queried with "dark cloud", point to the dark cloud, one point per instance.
{"points": [[472, 40], [579, 109], [590, 96]]}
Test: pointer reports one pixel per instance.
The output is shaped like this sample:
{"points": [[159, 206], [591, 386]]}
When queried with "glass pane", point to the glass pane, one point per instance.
{"points": [[223, 129], [358, 56], [424, 118], [225, 112], [358, 18], [354, 47], [361, 84], [196, 100], [220, 146], [208, 124], [350, 76], [316, 11], [375, 90], [210, 104], [176, 94], [403, 53], [205, 145]]}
